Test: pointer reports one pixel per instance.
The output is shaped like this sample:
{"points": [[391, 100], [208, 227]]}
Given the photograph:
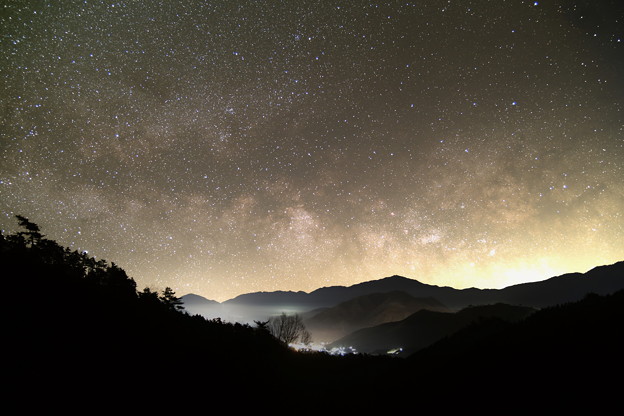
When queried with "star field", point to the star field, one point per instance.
{"points": [[227, 147]]}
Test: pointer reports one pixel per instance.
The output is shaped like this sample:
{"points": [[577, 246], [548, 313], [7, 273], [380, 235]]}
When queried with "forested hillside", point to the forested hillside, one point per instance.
{"points": [[78, 329]]}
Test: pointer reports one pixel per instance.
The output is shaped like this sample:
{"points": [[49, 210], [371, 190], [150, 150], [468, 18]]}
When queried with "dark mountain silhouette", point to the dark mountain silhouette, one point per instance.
{"points": [[364, 311], [199, 305], [563, 358], [278, 297], [326, 296], [197, 301], [86, 335], [425, 327], [560, 289], [601, 280]]}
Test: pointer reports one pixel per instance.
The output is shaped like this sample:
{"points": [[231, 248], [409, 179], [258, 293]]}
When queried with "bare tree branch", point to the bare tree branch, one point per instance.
{"points": [[289, 328]]}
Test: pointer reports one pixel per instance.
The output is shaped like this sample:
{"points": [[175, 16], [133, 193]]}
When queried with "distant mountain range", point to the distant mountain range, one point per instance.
{"points": [[192, 300], [560, 289], [329, 324], [559, 359], [425, 327]]}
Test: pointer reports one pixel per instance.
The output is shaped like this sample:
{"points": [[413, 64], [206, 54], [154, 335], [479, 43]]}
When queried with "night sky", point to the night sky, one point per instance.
{"points": [[225, 147]]}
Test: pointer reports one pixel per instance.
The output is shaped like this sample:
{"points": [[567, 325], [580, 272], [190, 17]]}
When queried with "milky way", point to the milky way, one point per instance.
{"points": [[225, 147]]}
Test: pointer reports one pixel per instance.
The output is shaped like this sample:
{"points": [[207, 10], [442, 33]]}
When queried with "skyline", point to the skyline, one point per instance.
{"points": [[224, 148]]}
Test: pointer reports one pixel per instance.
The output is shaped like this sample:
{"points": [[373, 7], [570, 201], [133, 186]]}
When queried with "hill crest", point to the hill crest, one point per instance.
{"points": [[555, 290]]}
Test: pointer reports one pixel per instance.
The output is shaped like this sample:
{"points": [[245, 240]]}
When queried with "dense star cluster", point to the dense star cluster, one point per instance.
{"points": [[225, 147]]}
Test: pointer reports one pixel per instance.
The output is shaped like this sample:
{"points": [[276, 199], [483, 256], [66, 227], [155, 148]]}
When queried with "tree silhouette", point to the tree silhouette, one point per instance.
{"points": [[149, 296], [262, 325], [289, 328], [170, 299], [33, 232]]}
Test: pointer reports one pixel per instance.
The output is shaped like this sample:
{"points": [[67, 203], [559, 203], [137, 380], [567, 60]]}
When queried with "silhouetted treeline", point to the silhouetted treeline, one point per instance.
{"points": [[76, 321], [79, 326]]}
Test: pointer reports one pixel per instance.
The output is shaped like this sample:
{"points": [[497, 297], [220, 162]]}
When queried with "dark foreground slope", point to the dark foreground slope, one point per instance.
{"points": [[77, 330], [79, 338], [562, 358]]}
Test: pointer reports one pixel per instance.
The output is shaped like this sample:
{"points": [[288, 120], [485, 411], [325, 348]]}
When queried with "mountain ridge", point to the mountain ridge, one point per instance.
{"points": [[425, 327], [567, 287], [363, 311], [192, 298]]}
